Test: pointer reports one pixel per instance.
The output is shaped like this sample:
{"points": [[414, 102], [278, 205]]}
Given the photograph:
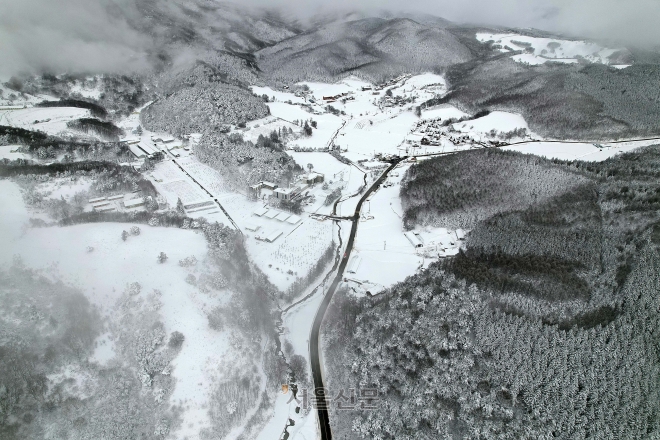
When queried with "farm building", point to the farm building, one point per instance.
{"points": [[263, 187], [354, 264], [294, 220], [283, 193], [100, 204], [198, 204], [116, 197], [273, 236], [260, 211], [133, 203], [271, 214], [282, 216], [96, 200], [313, 178], [414, 239], [137, 151], [252, 227], [107, 208]]}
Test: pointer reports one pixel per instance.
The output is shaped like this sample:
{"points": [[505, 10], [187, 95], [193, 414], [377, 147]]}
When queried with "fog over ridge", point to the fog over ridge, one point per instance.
{"points": [[109, 36]]}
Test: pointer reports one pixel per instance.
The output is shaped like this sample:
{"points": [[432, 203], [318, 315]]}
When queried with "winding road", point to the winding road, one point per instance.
{"points": [[321, 402]]}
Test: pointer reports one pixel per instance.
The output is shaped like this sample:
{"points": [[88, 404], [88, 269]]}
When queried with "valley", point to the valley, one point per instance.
{"points": [[449, 223]]}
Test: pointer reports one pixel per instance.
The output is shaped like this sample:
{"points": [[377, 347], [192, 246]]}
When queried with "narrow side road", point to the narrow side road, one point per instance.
{"points": [[321, 402]]}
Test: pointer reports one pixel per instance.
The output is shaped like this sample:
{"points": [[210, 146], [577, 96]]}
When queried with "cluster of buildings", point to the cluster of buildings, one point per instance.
{"points": [[333, 98], [112, 203], [266, 190], [392, 82], [433, 132], [154, 147], [272, 214]]}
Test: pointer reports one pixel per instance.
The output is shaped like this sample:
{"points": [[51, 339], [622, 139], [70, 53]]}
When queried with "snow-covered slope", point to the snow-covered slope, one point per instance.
{"points": [[541, 50]]}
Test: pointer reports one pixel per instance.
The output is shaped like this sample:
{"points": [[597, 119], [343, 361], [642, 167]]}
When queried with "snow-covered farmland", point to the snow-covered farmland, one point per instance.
{"points": [[380, 134], [86, 90], [290, 255], [578, 150], [50, 120], [104, 273], [10, 152], [383, 255], [278, 95], [443, 112], [541, 50], [498, 120], [10, 97]]}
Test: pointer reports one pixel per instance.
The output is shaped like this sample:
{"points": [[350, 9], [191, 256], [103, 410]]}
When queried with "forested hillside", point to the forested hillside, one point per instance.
{"points": [[544, 326], [461, 189], [563, 101], [374, 48]]}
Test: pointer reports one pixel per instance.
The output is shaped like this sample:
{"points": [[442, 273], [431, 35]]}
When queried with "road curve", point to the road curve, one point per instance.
{"points": [[321, 402]]}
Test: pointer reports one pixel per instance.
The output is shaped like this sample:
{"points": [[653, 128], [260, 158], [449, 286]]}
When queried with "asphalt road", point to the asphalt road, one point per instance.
{"points": [[321, 402]]}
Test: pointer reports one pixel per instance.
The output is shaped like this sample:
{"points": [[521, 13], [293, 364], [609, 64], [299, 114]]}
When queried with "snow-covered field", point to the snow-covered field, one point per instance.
{"points": [[9, 97], [51, 120], [298, 248], [445, 111], [578, 151], [382, 255], [9, 152], [103, 275], [86, 90], [497, 120], [542, 50]]}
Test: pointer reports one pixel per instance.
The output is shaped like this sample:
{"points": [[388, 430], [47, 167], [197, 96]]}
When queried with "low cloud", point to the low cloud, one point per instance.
{"points": [[97, 35], [67, 36]]}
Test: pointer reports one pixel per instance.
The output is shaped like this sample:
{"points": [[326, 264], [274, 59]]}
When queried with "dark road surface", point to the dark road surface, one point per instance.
{"points": [[321, 402]]}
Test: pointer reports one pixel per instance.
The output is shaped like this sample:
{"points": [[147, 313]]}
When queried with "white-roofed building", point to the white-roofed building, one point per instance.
{"points": [[273, 236], [252, 227], [283, 193], [283, 216], [260, 211], [413, 239], [134, 203], [294, 219], [354, 264]]}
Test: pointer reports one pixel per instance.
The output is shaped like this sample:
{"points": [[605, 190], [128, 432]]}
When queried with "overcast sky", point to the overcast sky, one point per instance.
{"points": [[79, 35]]}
